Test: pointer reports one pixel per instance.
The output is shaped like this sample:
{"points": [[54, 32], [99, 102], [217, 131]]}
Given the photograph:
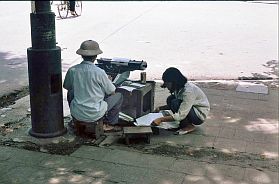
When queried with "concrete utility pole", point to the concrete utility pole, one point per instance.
{"points": [[45, 78]]}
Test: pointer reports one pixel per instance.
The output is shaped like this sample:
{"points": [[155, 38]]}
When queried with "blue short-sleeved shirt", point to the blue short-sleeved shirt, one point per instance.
{"points": [[90, 85]]}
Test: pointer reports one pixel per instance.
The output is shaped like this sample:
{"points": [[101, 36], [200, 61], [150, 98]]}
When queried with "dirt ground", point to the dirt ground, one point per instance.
{"points": [[10, 99]]}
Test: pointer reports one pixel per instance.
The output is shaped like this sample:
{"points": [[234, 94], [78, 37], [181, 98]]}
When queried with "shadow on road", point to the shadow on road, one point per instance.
{"points": [[272, 65], [13, 75]]}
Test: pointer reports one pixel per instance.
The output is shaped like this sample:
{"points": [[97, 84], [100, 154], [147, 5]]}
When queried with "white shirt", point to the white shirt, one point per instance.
{"points": [[90, 84], [191, 95]]}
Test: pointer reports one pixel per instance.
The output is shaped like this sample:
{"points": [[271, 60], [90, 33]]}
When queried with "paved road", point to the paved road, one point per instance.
{"points": [[206, 40]]}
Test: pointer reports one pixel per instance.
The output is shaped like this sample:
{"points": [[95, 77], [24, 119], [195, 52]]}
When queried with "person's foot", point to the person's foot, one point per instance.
{"points": [[107, 127], [73, 13], [189, 128], [111, 128]]}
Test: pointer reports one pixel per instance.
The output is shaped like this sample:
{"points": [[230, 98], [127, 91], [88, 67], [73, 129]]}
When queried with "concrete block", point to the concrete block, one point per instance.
{"points": [[252, 88]]}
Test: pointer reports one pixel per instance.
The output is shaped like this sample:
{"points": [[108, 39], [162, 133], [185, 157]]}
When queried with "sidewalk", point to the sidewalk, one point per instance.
{"points": [[237, 144]]}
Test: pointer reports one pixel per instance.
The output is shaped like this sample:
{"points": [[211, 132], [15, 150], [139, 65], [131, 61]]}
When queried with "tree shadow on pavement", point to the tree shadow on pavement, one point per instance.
{"points": [[273, 73], [9, 61], [273, 65], [13, 73]]}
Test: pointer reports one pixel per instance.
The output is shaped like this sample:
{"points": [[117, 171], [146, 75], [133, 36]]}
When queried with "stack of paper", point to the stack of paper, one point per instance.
{"points": [[147, 119]]}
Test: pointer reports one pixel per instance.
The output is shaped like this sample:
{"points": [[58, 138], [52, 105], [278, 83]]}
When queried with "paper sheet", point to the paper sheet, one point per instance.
{"points": [[119, 59], [128, 88], [146, 120]]}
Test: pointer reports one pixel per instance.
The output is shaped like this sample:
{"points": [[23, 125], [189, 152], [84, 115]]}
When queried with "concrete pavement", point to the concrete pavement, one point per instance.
{"points": [[238, 143]]}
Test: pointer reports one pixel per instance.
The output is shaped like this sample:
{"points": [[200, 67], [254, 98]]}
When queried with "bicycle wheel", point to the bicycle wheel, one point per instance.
{"points": [[63, 10], [78, 8]]}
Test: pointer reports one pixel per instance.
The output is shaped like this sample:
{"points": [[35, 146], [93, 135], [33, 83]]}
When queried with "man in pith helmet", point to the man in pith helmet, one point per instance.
{"points": [[91, 94]]}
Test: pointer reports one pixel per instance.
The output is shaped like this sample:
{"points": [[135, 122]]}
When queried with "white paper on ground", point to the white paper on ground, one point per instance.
{"points": [[147, 119]]}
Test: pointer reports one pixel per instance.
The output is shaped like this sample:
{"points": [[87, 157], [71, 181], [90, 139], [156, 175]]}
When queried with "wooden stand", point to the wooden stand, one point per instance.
{"points": [[136, 132], [90, 129]]}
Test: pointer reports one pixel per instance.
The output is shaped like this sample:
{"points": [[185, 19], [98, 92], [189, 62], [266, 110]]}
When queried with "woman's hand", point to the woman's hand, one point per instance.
{"points": [[156, 122]]}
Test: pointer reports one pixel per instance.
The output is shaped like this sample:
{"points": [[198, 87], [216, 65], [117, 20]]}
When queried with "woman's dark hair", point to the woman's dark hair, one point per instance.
{"points": [[174, 76]]}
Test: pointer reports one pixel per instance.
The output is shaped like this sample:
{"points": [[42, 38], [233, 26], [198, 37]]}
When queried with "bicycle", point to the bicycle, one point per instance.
{"points": [[64, 8]]}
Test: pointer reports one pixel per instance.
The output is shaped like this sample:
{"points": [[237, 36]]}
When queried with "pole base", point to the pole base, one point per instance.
{"points": [[47, 135]]}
